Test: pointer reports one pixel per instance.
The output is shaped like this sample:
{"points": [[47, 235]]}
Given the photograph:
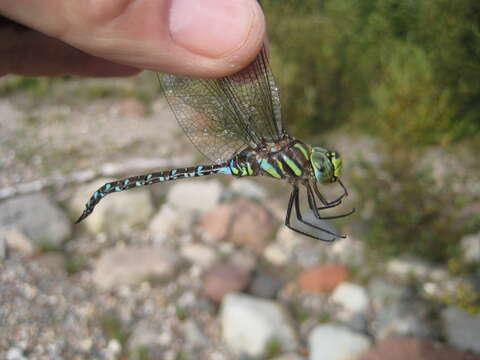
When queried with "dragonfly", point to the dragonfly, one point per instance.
{"points": [[236, 122]]}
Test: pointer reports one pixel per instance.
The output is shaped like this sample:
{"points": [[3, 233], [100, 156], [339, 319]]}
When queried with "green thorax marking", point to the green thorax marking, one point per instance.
{"points": [[291, 164], [303, 149], [269, 168]]}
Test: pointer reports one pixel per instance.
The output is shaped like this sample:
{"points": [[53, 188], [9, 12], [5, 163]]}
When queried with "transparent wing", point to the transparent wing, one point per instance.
{"points": [[223, 116]]}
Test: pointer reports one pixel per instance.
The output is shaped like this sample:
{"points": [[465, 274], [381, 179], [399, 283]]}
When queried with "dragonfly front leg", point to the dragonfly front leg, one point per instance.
{"points": [[316, 210], [332, 203], [294, 201]]}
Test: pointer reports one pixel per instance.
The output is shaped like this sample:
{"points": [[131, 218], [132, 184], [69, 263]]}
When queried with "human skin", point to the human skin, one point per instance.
{"points": [[205, 38]]}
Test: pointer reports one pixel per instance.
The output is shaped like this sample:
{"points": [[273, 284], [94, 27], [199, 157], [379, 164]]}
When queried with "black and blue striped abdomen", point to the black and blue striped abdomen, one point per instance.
{"points": [[149, 179]]}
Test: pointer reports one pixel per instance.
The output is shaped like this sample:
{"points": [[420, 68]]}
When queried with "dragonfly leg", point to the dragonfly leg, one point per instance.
{"points": [[293, 201], [324, 201], [313, 206]]}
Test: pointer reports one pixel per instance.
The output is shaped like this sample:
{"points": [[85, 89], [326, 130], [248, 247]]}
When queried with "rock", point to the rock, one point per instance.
{"points": [[198, 196], [145, 337], [471, 248], [194, 336], [384, 293], [265, 285], [280, 252], [36, 216], [131, 108], [415, 349], [128, 266], [352, 298], [53, 261], [289, 356], [3, 248], [17, 241], [348, 251], [243, 222], [169, 221], [400, 319], [250, 324], [116, 213], [357, 322], [216, 224], [291, 247], [322, 278], [405, 268], [248, 188], [335, 342], [15, 354], [199, 254], [462, 329], [244, 260], [222, 279]]}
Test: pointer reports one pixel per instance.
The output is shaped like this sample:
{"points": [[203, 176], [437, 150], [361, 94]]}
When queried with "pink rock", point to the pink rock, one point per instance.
{"points": [[132, 107], [415, 349], [222, 279], [243, 222], [322, 278]]}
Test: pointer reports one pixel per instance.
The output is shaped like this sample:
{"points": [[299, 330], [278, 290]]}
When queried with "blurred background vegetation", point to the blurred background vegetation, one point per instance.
{"points": [[406, 73], [405, 70]]}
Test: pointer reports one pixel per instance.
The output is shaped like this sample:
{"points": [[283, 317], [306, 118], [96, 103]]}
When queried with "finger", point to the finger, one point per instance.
{"points": [[19, 54], [190, 37]]}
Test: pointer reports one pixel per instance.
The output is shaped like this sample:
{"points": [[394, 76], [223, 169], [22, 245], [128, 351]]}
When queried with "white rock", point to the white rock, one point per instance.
{"points": [[17, 241], [399, 320], [116, 213], [129, 266], [3, 247], [114, 348], [352, 298], [199, 254], [335, 342], [199, 196], [407, 267], [169, 221], [15, 354], [36, 216], [145, 334], [279, 252], [384, 293], [249, 324], [248, 188], [348, 251], [194, 335], [471, 248], [462, 329]]}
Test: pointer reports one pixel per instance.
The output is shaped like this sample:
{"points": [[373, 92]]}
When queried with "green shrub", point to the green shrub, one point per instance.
{"points": [[407, 71], [404, 211]]}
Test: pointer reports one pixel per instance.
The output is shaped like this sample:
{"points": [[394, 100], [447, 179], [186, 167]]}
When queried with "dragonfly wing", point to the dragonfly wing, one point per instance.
{"points": [[223, 116]]}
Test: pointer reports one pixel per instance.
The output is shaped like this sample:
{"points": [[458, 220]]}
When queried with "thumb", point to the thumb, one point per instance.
{"points": [[208, 38]]}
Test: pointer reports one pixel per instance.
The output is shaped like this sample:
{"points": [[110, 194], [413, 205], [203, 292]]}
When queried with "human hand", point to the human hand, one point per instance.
{"points": [[207, 38]]}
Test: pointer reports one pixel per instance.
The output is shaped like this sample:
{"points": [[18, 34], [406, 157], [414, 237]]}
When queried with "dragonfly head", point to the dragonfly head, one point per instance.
{"points": [[327, 165]]}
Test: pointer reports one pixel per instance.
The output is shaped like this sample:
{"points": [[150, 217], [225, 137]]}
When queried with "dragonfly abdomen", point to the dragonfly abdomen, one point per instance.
{"points": [[149, 179]]}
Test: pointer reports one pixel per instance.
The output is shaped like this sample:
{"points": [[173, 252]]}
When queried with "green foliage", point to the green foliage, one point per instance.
{"points": [[75, 264], [408, 71], [36, 86], [113, 328], [140, 353], [273, 348], [405, 212]]}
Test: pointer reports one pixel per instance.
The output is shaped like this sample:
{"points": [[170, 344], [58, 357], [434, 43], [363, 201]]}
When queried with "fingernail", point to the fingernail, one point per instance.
{"points": [[212, 28]]}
